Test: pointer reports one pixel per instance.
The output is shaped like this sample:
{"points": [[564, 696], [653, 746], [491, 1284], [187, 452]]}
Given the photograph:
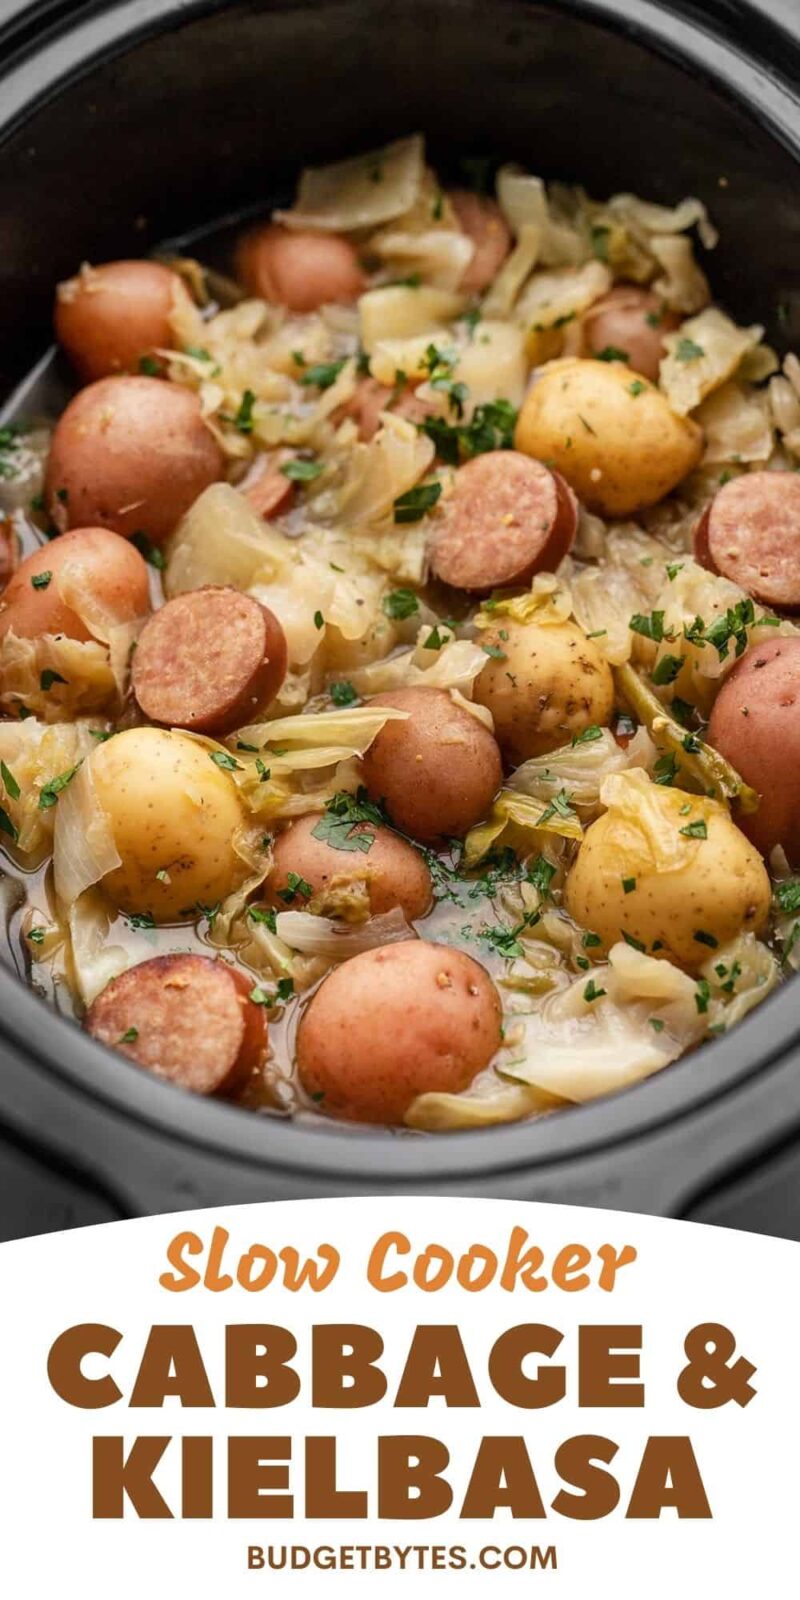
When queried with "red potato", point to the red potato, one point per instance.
{"points": [[755, 724], [750, 533], [438, 771], [298, 269], [394, 873], [632, 321], [209, 661], [186, 1018], [482, 219], [408, 1019], [109, 318], [507, 518], [132, 455], [106, 573]]}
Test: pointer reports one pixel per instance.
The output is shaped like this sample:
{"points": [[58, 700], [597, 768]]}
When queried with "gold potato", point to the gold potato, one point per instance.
{"points": [[609, 432], [670, 871], [173, 812], [546, 683]]}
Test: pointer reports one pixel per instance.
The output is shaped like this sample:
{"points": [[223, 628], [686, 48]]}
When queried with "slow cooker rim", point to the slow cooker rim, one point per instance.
{"points": [[714, 1070]]}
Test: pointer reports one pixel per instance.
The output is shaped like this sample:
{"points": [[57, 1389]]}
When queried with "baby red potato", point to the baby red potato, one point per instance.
{"points": [[130, 454], [755, 724], [299, 269], [482, 220], [104, 573], [109, 318], [437, 771], [393, 872], [390, 1024], [629, 323]]}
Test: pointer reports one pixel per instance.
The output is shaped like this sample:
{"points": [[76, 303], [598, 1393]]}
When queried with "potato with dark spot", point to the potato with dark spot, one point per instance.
{"points": [[668, 871], [391, 871], [173, 814], [438, 770], [109, 318], [408, 1019], [132, 455], [543, 683], [755, 724]]}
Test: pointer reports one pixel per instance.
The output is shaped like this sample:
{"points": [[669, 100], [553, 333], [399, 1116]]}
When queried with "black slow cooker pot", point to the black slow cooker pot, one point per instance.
{"points": [[123, 123]]}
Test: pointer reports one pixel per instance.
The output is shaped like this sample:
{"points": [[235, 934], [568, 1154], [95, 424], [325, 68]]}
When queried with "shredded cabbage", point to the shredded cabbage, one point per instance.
{"points": [[360, 192]]}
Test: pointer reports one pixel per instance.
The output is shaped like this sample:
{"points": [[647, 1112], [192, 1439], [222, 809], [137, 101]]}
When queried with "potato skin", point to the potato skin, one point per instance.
{"points": [[298, 268], [109, 317], [132, 455], [620, 321], [395, 874], [551, 683], [619, 448], [438, 771], [113, 574], [390, 1024], [170, 809], [755, 724], [720, 890]]}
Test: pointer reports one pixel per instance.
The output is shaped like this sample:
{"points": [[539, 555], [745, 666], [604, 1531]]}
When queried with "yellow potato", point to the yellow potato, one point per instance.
{"points": [[669, 870], [173, 811], [609, 432], [547, 683]]}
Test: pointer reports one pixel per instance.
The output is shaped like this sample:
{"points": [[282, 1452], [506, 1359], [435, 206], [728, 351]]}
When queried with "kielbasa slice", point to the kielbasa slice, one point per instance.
{"points": [[208, 661], [187, 1018], [750, 533], [508, 517], [269, 492]]}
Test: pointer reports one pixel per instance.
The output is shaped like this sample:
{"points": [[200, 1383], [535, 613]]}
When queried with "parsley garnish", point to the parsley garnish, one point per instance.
{"points": [[263, 914], [40, 580], [339, 825], [541, 873], [295, 885], [299, 471], [244, 416], [401, 603], [323, 375], [666, 769], [131, 1034], [141, 919], [7, 826], [413, 505], [695, 830], [687, 350], [611, 353], [591, 992], [666, 670], [48, 678], [490, 428], [343, 694], [56, 786], [10, 784], [223, 759], [588, 736], [149, 551]]}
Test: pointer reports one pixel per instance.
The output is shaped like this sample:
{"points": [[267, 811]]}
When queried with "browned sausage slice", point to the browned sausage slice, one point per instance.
{"points": [[507, 518], [208, 661], [186, 1018], [750, 534]]}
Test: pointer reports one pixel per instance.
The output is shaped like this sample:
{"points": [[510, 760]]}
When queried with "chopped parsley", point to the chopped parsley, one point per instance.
{"points": [[401, 603], [591, 992], [590, 941], [343, 694], [299, 471], [702, 995], [9, 443], [657, 1024], [36, 935], [490, 428], [649, 626], [636, 388], [149, 367], [496, 654], [588, 736], [413, 505], [695, 830], [10, 784], [243, 420], [7, 826], [339, 825], [319, 620], [295, 885], [559, 806], [48, 678], [263, 914], [56, 786], [687, 350], [541, 873], [666, 670], [141, 920], [223, 759], [611, 352], [635, 944], [131, 1034], [628, 885], [666, 769], [787, 896], [323, 374], [41, 580]]}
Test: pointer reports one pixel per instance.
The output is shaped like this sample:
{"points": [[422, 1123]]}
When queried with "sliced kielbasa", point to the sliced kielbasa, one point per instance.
{"points": [[750, 533], [187, 1018], [268, 491], [208, 661], [508, 517]]}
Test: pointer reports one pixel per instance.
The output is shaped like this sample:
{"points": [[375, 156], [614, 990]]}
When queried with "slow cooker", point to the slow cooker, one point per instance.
{"points": [[125, 122]]}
